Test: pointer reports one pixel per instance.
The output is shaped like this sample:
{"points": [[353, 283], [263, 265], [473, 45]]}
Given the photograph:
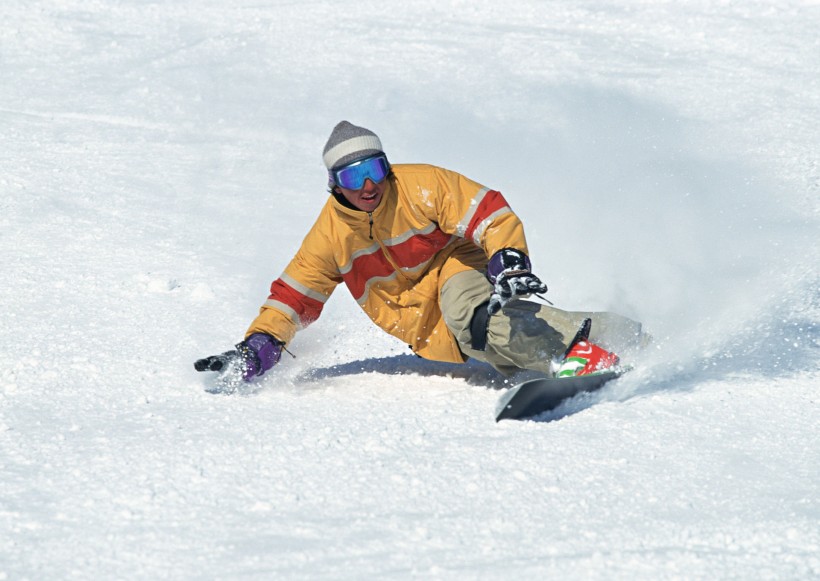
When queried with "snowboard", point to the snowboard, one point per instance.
{"points": [[536, 396]]}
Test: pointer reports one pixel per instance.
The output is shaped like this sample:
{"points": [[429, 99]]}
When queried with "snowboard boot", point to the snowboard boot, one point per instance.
{"points": [[583, 357]]}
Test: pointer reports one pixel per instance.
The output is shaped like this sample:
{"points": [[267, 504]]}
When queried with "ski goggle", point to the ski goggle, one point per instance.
{"points": [[352, 176]]}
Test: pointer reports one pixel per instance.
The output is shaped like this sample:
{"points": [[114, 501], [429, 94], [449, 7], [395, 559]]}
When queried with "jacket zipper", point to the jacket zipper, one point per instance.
{"points": [[385, 252]]}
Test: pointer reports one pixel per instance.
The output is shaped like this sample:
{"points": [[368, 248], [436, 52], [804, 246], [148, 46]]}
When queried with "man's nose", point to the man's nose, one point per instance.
{"points": [[368, 185]]}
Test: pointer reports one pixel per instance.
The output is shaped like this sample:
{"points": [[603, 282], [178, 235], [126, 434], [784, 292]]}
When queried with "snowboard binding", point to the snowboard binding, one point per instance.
{"points": [[583, 357]]}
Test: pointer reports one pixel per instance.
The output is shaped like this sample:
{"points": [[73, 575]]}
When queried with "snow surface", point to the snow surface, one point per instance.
{"points": [[160, 163]]}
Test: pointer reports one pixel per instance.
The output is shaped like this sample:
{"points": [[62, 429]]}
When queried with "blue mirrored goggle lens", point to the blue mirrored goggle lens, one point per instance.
{"points": [[352, 176]]}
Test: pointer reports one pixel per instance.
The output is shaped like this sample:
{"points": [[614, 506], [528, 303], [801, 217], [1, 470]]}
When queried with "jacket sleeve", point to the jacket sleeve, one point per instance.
{"points": [[469, 210], [297, 297]]}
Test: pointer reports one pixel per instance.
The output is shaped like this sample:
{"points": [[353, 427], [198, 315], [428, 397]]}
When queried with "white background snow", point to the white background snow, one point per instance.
{"points": [[159, 165]]}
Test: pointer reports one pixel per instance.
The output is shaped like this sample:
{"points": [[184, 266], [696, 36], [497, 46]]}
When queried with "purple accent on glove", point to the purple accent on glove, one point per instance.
{"points": [[506, 260], [261, 352], [509, 272]]}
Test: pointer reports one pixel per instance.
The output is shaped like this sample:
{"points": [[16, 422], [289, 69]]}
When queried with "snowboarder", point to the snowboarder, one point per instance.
{"points": [[435, 259]]}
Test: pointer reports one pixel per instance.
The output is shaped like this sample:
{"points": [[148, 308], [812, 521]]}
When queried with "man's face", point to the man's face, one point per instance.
{"points": [[368, 197]]}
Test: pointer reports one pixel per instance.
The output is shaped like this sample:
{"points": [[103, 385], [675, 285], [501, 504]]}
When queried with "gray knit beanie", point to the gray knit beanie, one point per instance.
{"points": [[348, 143]]}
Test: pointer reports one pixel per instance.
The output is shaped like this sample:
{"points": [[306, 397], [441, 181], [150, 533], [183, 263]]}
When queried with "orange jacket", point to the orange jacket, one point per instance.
{"points": [[395, 259]]}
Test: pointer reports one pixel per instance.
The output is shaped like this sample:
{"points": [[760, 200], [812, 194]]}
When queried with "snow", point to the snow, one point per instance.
{"points": [[160, 163]]}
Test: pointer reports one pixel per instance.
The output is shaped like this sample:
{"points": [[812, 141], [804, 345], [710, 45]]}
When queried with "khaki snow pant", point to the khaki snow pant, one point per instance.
{"points": [[524, 334]]}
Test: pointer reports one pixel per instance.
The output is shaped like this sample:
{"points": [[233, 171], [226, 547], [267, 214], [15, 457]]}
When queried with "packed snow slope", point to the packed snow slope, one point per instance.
{"points": [[159, 165]]}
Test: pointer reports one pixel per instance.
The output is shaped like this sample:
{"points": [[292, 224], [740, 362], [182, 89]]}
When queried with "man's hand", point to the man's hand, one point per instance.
{"points": [[509, 271], [251, 358]]}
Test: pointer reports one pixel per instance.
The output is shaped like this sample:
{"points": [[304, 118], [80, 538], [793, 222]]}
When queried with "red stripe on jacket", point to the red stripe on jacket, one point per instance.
{"points": [[365, 268], [419, 248], [411, 253], [492, 202], [307, 308]]}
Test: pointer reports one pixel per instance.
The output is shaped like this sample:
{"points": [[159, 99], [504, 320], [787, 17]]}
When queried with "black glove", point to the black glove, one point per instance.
{"points": [[216, 362], [509, 271]]}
